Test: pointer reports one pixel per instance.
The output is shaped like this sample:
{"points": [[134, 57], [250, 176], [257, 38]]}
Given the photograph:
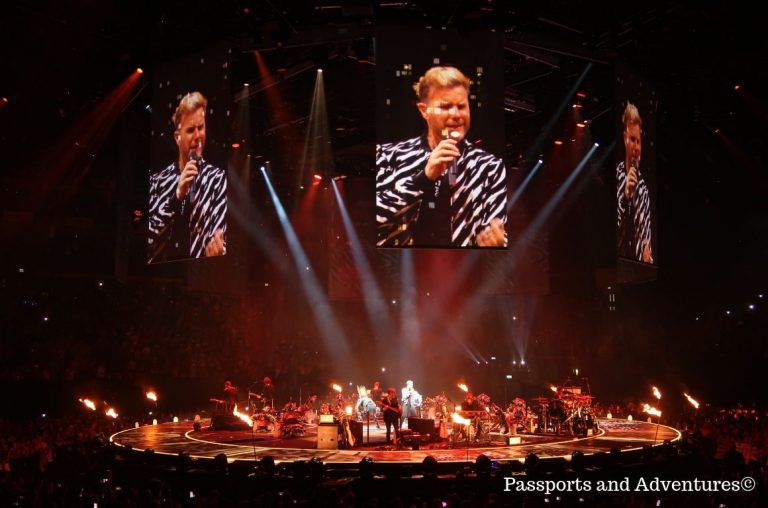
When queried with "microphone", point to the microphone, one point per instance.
{"points": [[453, 170], [194, 156], [634, 163]]}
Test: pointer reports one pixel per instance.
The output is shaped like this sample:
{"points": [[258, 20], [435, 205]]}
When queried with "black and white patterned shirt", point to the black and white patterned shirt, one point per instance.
{"points": [[182, 229], [633, 219], [404, 193]]}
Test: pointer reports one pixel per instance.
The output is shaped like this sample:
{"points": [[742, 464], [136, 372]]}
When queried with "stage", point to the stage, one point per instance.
{"points": [[244, 445]]}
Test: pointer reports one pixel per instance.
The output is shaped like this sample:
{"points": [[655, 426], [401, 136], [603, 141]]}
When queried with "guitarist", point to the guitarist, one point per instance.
{"points": [[390, 409]]}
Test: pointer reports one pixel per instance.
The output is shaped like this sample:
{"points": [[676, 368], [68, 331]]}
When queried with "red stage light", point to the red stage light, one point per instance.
{"points": [[737, 87], [139, 70], [235, 145], [558, 142], [580, 125], [581, 95]]}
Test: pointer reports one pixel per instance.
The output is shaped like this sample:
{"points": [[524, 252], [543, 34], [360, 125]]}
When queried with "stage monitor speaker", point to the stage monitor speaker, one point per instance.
{"points": [[423, 426], [357, 431], [328, 437]]}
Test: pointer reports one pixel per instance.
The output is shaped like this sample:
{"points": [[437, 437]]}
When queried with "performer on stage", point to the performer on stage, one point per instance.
{"points": [[230, 393], [633, 200], [411, 402], [440, 189], [188, 199], [376, 391], [390, 408], [365, 407], [470, 403], [268, 392]]}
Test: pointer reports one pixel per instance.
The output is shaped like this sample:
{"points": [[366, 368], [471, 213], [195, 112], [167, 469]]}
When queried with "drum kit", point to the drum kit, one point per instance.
{"points": [[470, 426], [569, 412], [290, 422]]}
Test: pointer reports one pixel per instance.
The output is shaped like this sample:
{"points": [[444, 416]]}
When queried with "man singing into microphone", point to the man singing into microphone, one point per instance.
{"points": [[188, 199], [439, 189], [632, 196]]}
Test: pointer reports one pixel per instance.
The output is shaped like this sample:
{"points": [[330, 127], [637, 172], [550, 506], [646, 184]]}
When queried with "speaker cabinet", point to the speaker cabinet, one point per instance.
{"points": [[357, 431], [328, 437], [423, 426]]}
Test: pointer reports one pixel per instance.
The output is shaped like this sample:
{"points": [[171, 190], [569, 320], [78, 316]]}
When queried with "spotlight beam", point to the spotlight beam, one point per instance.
{"points": [[568, 99], [410, 327], [519, 191], [373, 298], [332, 333], [475, 303], [316, 155]]}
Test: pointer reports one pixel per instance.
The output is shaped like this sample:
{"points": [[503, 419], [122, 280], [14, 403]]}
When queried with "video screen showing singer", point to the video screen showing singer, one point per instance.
{"points": [[188, 199], [632, 195], [440, 189]]}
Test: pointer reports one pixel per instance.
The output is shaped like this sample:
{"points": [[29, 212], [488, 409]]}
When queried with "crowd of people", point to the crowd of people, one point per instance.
{"points": [[89, 337]]}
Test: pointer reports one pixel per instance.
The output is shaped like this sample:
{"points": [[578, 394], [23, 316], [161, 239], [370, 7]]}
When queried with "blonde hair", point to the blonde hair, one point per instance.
{"points": [[631, 116], [188, 104], [439, 77]]}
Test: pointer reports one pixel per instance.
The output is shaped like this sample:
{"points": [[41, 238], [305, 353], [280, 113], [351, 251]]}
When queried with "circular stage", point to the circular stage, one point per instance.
{"points": [[244, 445]]}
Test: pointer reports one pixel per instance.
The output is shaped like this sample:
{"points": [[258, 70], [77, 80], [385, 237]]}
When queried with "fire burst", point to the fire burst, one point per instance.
{"points": [[647, 408], [111, 412], [457, 418], [88, 403], [242, 416], [151, 395], [694, 402], [656, 393], [464, 388]]}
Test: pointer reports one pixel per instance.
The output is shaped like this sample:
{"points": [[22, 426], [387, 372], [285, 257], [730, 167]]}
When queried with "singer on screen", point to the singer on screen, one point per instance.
{"points": [[440, 189], [632, 196], [188, 199]]}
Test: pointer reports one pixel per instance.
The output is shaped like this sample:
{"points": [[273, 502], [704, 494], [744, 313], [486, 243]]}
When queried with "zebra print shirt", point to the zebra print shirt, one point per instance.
{"points": [[181, 229], [635, 231], [480, 193]]}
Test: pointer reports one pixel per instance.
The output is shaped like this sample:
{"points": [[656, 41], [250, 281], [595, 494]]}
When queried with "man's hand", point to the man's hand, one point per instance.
{"points": [[493, 235], [441, 157], [631, 183], [216, 246], [188, 175]]}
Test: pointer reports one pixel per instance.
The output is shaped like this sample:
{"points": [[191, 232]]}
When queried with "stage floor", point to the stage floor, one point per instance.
{"points": [[174, 438]]}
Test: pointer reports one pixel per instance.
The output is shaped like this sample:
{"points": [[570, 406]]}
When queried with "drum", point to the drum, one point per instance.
{"points": [[290, 418], [262, 423], [309, 416]]}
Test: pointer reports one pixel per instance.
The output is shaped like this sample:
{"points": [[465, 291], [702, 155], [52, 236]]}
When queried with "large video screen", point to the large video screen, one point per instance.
{"points": [[440, 177], [636, 219], [191, 101]]}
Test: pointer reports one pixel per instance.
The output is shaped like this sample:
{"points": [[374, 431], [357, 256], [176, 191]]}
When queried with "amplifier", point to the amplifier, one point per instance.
{"points": [[423, 426], [328, 437]]}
